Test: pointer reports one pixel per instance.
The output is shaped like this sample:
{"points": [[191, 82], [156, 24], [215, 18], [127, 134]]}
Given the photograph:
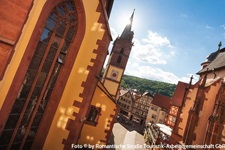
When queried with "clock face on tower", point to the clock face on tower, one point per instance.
{"points": [[114, 74]]}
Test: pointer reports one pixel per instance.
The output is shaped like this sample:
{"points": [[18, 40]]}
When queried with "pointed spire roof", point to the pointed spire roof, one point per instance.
{"points": [[127, 33]]}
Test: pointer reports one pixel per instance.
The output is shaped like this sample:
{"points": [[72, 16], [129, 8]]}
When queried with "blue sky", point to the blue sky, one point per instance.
{"points": [[171, 37]]}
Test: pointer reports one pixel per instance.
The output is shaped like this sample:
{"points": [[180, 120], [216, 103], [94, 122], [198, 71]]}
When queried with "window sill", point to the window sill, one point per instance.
{"points": [[91, 123]]}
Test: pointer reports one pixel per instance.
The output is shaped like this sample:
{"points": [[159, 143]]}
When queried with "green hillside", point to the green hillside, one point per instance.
{"points": [[143, 85]]}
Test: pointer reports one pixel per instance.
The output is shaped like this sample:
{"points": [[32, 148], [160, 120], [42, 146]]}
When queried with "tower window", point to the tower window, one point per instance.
{"points": [[119, 59], [121, 51]]}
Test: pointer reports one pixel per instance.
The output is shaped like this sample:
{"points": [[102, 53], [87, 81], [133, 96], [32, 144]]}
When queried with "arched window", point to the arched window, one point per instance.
{"points": [[119, 59], [121, 51], [44, 68]]}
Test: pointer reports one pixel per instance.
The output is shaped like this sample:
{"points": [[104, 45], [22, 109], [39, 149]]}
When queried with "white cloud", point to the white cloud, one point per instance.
{"points": [[187, 78], [151, 73], [222, 26], [154, 49], [114, 33], [208, 27], [148, 52], [158, 74], [155, 39]]}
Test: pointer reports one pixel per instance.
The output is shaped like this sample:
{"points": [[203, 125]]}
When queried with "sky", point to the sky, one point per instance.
{"points": [[171, 37]]}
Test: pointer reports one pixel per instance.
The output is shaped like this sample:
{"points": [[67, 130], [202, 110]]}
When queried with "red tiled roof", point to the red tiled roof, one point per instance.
{"points": [[179, 94], [162, 101]]}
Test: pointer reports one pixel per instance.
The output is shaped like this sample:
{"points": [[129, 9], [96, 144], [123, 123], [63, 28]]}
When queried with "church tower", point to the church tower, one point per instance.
{"points": [[118, 59]]}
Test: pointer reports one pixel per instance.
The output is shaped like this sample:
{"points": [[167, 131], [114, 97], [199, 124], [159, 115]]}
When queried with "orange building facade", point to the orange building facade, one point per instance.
{"points": [[125, 101], [176, 103], [158, 109], [98, 126], [141, 107], [183, 112], [51, 56], [201, 118]]}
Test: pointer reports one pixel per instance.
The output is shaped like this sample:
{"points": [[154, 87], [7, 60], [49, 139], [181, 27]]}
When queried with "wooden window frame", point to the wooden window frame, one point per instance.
{"points": [[155, 108], [91, 122], [154, 116]]}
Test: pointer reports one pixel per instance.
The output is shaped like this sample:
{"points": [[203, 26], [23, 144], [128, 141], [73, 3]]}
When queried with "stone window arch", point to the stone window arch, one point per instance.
{"points": [[48, 59], [121, 51]]}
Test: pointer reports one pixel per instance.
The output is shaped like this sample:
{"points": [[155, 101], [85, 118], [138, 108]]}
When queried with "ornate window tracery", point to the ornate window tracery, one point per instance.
{"points": [[41, 76]]}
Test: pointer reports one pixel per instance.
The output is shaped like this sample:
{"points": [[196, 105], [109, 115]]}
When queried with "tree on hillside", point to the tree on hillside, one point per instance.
{"points": [[143, 85]]}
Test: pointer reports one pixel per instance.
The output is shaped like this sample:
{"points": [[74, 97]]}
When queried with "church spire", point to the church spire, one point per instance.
{"points": [[127, 33]]}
